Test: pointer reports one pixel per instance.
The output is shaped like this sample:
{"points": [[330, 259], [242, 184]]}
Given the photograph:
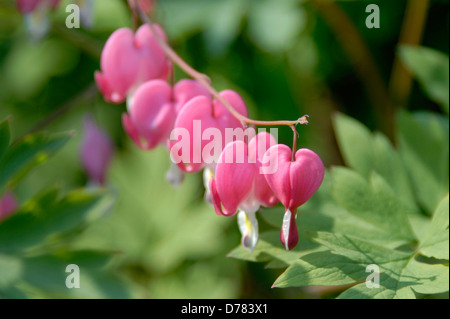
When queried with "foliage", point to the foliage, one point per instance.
{"points": [[140, 238], [389, 208], [35, 242]]}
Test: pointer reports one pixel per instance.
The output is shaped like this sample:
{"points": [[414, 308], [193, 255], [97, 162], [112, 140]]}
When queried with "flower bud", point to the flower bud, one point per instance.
{"points": [[96, 151]]}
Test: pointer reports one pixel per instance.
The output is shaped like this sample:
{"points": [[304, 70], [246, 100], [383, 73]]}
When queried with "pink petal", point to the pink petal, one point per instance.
{"points": [[256, 150], [223, 115], [120, 62], [130, 59], [152, 112], [215, 197], [27, 6], [306, 176], [278, 160], [187, 89], [234, 179], [102, 84], [132, 130], [153, 64], [199, 110]]}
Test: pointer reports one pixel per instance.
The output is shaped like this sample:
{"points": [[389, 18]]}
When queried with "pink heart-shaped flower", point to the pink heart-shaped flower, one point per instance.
{"points": [[151, 114], [294, 181], [199, 134], [129, 60]]}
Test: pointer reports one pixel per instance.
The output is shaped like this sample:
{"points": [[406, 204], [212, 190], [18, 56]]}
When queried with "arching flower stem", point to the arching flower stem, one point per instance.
{"points": [[206, 82]]}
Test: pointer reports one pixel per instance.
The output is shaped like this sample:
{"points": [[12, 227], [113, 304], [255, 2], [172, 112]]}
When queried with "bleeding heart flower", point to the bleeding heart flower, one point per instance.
{"points": [[187, 89], [153, 108], [129, 60], [199, 135], [239, 184], [96, 151], [8, 205], [293, 181], [35, 12], [27, 6], [151, 114]]}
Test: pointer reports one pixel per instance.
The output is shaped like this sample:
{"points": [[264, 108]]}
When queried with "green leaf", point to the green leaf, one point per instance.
{"points": [[269, 248], [424, 147], [431, 68], [47, 276], [400, 272], [321, 268], [358, 250], [403, 282], [275, 25], [435, 242], [34, 149], [5, 137], [373, 202], [39, 219], [366, 152]]}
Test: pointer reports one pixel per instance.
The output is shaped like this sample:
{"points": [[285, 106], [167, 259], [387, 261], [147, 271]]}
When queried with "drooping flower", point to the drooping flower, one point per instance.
{"points": [[96, 151], [36, 18], [151, 114], [239, 184], [8, 205], [199, 134], [152, 110], [185, 90], [128, 60], [294, 181]]}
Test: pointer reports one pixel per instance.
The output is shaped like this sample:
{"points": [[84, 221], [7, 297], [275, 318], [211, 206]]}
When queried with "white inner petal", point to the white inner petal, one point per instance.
{"points": [[248, 226], [285, 228]]}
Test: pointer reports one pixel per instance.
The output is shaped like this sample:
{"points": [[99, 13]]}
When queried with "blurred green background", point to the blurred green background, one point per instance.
{"points": [[286, 58]]}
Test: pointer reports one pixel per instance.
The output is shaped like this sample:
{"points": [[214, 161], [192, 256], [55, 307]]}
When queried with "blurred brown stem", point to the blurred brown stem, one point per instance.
{"points": [[361, 58], [411, 33]]}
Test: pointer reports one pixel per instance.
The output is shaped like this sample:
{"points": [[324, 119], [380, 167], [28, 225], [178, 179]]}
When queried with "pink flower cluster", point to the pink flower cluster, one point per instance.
{"points": [[134, 68]]}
